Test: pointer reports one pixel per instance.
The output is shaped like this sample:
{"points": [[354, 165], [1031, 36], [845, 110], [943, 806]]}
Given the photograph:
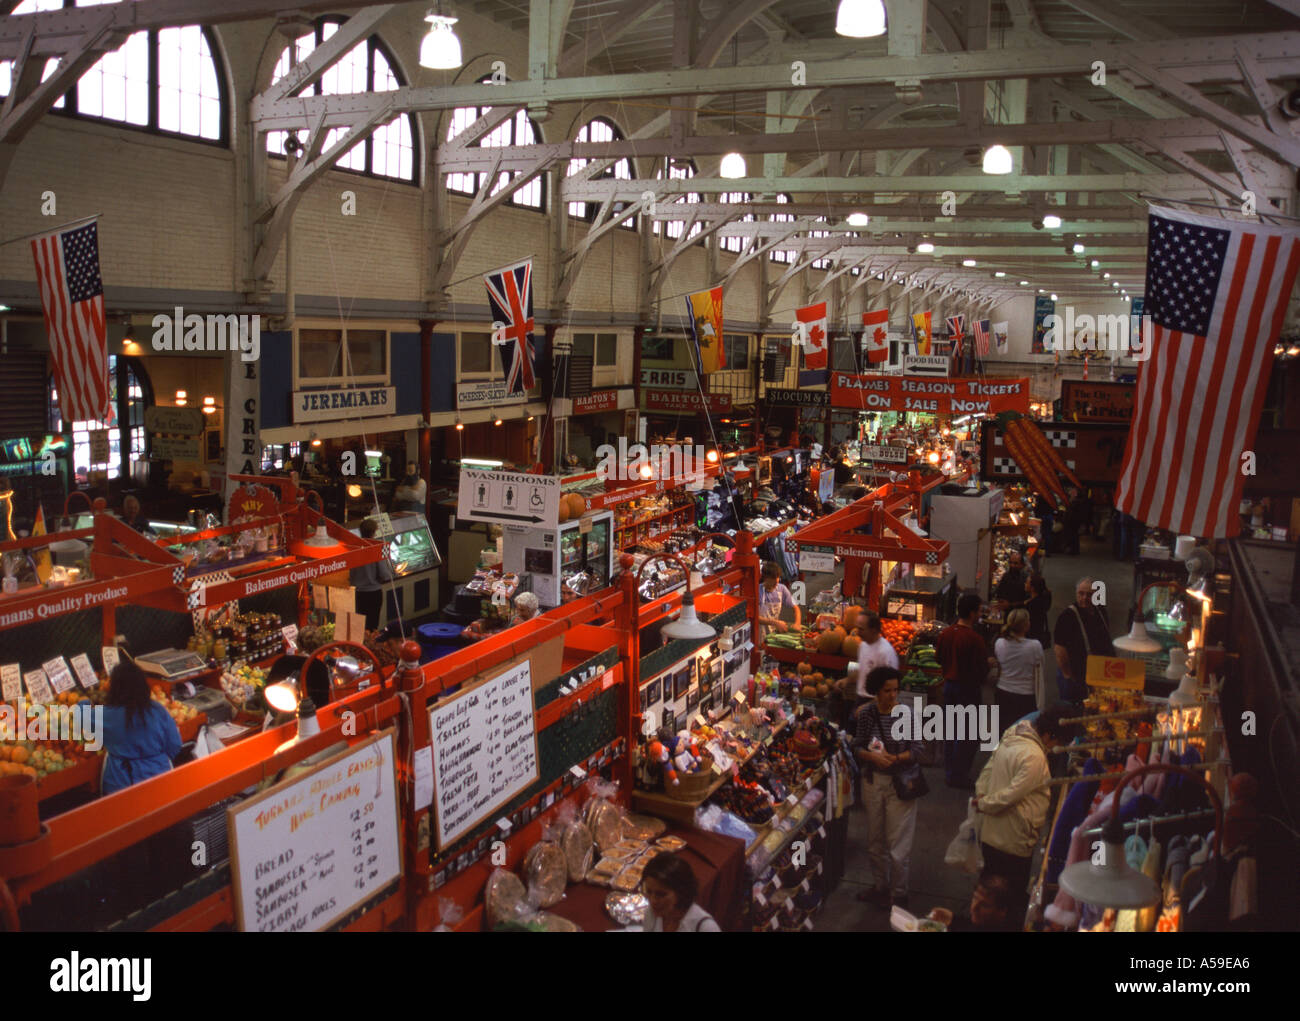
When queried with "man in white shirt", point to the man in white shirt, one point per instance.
{"points": [[874, 651], [411, 494]]}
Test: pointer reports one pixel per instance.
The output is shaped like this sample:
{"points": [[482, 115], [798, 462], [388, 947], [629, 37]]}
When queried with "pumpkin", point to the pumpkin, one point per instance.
{"points": [[849, 647], [839, 630], [577, 505], [851, 616], [804, 668], [823, 690], [563, 516], [830, 642], [816, 678]]}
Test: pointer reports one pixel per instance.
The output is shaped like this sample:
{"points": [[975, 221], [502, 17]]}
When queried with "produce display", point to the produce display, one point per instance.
{"points": [[243, 685], [923, 669], [832, 635], [178, 711]]}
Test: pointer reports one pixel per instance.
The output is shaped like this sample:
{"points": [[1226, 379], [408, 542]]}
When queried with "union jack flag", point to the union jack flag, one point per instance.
{"points": [[956, 330], [982, 328], [510, 295]]}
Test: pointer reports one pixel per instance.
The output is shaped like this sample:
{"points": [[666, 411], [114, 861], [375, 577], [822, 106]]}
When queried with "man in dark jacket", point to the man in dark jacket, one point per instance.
{"points": [[1082, 630], [1077, 518]]}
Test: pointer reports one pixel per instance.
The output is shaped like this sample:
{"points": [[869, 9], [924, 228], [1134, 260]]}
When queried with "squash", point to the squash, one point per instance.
{"points": [[851, 616], [804, 668], [839, 630], [823, 690], [849, 647], [830, 642], [577, 506], [563, 516]]}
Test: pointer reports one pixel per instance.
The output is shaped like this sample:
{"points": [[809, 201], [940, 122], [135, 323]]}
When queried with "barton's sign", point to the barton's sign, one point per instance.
{"points": [[798, 398], [681, 400]]}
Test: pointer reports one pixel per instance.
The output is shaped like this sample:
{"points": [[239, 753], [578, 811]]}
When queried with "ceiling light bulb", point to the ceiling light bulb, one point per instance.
{"points": [[1078, 248], [1105, 276], [999, 273], [925, 248], [460, 426], [859, 219], [1050, 221], [968, 262], [860, 19], [997, 160], [1053, 297], [440, 49], [733, 165], [1024, 283], [1094, 264]]}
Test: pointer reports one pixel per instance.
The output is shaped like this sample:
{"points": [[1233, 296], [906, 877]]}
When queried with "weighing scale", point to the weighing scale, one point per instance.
{"points": [[172, 664]]}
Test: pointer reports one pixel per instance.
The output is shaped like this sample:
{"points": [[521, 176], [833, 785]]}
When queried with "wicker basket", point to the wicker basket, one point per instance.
{"points": [[691, 786]]}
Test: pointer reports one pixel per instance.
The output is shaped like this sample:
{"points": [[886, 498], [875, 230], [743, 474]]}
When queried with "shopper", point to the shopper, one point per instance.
{"points": [[965, 661], [1012, 796], [1046, 515], [140, 737], [1082, 630], [1019, 659], [1038, 604], [1078, 519], [410, 495], [1010, 592], [891, 821], [132, 516], [370, 581], [773, 597], [669, 884], [873, 651], [989, 911]]}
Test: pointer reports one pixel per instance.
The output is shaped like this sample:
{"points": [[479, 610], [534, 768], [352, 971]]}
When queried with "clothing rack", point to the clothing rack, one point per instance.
{"points": [[1135, 739], [1062, 780], [1150, 710], [1137, 825]]}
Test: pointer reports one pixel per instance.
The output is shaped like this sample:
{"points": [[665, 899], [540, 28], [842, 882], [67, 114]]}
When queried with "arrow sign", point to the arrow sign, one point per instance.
{"points": [[509, 497]]}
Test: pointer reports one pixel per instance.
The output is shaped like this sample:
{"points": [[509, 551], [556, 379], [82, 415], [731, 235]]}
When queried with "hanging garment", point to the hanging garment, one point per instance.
{"points": [[1064, 910], [1243, 902], [1142, 919], [1075, 809], [1170, 919]]}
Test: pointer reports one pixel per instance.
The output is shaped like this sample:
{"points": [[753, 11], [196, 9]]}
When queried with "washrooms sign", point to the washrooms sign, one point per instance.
{"points": [[509, 498]]}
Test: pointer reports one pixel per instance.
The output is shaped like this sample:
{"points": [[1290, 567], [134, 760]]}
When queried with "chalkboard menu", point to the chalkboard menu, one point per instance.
{"points": [[308, 851], [484, 751]]}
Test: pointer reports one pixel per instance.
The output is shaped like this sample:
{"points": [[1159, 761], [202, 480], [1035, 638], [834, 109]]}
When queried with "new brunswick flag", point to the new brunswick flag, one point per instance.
{"points": [[921, 331], [704, 310]]}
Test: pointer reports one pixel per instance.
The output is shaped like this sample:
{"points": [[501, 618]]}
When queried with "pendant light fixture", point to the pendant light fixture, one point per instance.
{"points": [[733, 164], [997, 160], [860, 19], [440, 49], [1051, 221], [859, 219]]}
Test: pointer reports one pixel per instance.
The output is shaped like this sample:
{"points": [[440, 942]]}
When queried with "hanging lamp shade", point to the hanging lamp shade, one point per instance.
{"points": [[733, 166], [860, 19], [688, 625], [1184, 696], [1177, 664], [1112, 884], [1137, 640], [997, 160], [440, 49]]}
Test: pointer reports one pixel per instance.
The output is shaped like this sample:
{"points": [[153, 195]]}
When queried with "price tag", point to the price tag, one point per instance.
{"points": [[85, 672], [11, 682], [320, 597], [700, 721], [739, 698], [505, 825], [38, 687], [584, 526], [791, 799], [109, 655], [423, 777], [819, 869], [772, 923], [578, 772], [290, 633], [60, 676], [807, 924]]}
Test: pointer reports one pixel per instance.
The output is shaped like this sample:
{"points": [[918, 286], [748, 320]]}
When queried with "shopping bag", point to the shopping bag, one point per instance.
{"points": [[964, 851], [1040, 686]]}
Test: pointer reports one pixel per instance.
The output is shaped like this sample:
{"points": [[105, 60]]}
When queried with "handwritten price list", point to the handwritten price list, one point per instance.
{"points": [[484, 751], [310, 850]]}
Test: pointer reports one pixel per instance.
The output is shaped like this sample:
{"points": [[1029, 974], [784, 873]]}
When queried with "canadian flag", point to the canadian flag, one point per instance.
{"points": [[875, 338], [813, 321]]}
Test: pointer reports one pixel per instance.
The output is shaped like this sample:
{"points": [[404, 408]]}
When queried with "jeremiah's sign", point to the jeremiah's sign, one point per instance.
{"points": [[353, 402]]}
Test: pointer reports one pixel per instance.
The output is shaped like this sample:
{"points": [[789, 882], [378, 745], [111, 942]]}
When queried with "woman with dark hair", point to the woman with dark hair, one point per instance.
{"points": [[140, 737], [670, 886]]}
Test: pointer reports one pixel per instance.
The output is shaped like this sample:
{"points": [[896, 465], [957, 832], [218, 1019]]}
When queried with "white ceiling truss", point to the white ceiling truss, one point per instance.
{"points": [[1185, 117]]}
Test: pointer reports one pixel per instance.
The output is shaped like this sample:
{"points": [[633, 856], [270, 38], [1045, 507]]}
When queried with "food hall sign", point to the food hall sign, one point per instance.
{"points": [[957, 396], [352, 402]]}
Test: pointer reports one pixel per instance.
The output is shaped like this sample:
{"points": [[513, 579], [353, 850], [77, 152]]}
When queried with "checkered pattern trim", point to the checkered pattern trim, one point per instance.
{"points": [[1061, 437], [178, 574], [932, 558], [1005, 466]]}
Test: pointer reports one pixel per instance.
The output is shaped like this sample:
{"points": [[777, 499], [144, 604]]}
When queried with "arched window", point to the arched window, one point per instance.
{"points": [[163, 80], [680, 171], [518, 130], [736, 244], [601, 130], [782, 254], [129, 393], [389, 151], [820, 263]]}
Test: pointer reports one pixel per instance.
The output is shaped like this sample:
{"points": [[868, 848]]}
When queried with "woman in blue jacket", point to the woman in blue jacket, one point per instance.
{"points": [[140, 737]]}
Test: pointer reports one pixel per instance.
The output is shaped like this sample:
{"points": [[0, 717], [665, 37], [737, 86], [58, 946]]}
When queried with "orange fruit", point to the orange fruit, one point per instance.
{"points": [[29, 771], [19, 755]]}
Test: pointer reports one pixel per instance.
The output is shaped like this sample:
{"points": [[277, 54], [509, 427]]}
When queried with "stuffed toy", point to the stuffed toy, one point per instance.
{"points": [[657, 753], [686, 753]]}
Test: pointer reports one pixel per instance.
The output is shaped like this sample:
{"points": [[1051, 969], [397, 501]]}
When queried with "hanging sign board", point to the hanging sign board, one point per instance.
{"points": [[926, 365], [1082, 401], [797, 398], [176, 421], [306, 852], [1116, 672], [893, 455], [510, 498], [486, 395], [99, 446], [955, 396], [174, 448], [484, 751], [348, 402]]}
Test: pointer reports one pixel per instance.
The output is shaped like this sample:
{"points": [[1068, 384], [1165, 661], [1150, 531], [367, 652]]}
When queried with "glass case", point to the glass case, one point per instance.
{"points": [[411, 548], [567, 562]]}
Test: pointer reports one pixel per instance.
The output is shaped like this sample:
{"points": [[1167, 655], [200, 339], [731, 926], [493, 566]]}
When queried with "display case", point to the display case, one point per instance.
{"points": [[414, 558], [964, 517], [566, 562], [921, 600]]}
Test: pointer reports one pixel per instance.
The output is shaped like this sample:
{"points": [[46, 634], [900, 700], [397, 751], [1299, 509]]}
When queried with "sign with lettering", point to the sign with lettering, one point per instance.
{"points": [[345, 402], [86, 675], [306, 852], [176, 421], [597, 400], [955, 396], [38, 686], [174, 448], [486, 394], [243, 420], [1116, 672], [1082, 401], [484, 751], [893, 455], [99, 446], [252, 503], [822, 563], [60, 676], [685, 400], [668, 379], [926, 365], [11, 683], [798, 398], [510, 498]]}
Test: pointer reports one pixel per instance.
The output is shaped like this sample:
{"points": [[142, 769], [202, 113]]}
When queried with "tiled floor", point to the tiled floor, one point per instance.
{"points": [[932, 883]]}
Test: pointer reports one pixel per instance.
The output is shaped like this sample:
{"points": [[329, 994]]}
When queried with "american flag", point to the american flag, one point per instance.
{"points": [[72, 298], [982, 327], [1216, 294], [510, 295]]}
